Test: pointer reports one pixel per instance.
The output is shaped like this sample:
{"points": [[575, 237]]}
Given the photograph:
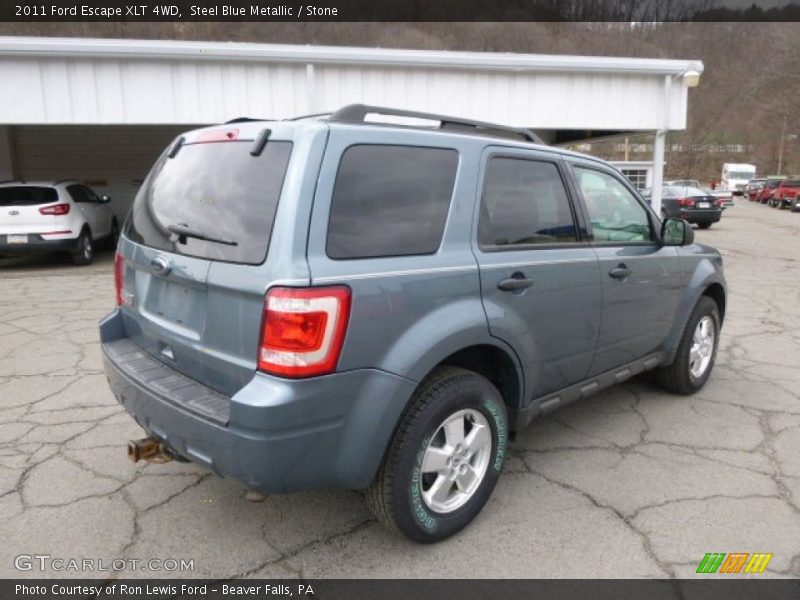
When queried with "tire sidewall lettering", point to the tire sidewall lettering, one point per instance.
{"points": [[421, 514], [502, 433]]}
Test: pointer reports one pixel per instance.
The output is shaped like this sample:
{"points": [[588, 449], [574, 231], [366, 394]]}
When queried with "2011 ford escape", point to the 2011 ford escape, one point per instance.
{"points": [[332, 302]]}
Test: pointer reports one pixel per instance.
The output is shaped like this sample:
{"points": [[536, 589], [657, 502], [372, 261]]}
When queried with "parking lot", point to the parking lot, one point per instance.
{"points": [[630, 483]]}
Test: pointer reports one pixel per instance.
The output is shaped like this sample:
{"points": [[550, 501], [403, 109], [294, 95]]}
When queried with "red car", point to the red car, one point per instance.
{"points": [[765, 194], [786, 193]]}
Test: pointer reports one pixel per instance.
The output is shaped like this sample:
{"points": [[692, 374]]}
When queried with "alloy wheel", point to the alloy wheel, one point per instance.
{"points": [[456, 460]]}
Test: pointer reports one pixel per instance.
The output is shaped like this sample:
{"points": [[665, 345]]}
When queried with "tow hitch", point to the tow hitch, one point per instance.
{"points": [[149, 449]]}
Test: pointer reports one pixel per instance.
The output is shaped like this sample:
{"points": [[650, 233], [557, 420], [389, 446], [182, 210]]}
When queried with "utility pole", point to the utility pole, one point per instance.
{"points": [[782, 142]]}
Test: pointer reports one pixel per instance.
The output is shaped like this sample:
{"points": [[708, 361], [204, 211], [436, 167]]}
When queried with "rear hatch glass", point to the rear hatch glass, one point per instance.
{"points": [[212, 201], [27, 195]]}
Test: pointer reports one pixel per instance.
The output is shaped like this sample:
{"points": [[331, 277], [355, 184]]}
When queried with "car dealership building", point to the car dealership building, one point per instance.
{"points": [[102, 110]]}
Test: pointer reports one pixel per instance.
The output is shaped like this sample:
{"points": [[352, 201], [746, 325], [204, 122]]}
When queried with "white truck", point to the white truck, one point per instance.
{"points": [[735, 176]]}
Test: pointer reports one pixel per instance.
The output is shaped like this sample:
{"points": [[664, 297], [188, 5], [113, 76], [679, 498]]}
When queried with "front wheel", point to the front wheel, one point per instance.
{"points": [[696, 353], [113, 237], [704, 225], [445, 457]]}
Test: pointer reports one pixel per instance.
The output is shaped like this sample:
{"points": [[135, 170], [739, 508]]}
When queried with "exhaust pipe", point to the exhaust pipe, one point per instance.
{"points": [[149, 449]]}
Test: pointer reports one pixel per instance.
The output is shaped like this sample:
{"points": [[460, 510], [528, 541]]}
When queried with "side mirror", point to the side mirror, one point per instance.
{"points": [[105, 199], [676, 232]]}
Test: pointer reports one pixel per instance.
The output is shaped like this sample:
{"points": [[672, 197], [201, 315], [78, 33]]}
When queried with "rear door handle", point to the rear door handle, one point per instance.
{"points": [[517, 281], [621, 271]]}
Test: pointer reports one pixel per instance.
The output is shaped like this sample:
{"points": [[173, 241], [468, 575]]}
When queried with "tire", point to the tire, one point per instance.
{"points": [[400, 496], [85, 253], [113, 237], [704, 225], [679, 377]]}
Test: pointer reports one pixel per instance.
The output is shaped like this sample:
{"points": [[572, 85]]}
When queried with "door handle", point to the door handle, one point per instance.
{"points": [[621, 271], [517, 281]]}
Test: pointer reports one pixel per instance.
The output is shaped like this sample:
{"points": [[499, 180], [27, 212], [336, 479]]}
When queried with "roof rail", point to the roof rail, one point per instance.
{"points": [[356, 113], [245, 120]]}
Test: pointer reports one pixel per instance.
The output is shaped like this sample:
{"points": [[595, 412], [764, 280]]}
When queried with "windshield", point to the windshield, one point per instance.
{"points": [[27, 195], [792, 183], [740, 175], [213, 200]]}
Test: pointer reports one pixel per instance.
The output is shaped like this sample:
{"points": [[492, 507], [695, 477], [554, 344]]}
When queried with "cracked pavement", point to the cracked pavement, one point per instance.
{"points": [[632, 482]]}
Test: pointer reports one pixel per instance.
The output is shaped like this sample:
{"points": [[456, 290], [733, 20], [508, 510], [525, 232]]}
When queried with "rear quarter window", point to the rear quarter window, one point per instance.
{"points": [[390, 201]]}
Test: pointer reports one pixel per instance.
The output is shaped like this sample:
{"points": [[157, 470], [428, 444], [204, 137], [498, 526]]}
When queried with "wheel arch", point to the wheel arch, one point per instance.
{"points": [[706, 281], [495, 364], [716, 292]]}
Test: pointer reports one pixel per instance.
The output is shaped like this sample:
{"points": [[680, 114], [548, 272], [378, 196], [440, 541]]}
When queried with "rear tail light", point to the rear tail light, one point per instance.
{"points": [[303, 330], [55, 209], [119, 266], [685, 202]]}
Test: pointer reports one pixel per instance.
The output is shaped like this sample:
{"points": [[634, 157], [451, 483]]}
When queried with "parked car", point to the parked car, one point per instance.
{"points": [[770, 185], [752, 188], [296, 311], [692, 204], [786, 192], [60, 216]]}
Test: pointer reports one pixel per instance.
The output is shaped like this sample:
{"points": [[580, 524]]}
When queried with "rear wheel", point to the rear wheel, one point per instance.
{"points": [[85, 252], [696, 353], [704, 225], [444, 459]]}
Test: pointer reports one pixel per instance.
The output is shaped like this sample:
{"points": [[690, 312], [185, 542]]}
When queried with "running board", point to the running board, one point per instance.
{"points": [[588, 387]]}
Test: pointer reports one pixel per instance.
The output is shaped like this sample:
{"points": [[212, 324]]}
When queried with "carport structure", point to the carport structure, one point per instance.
{"points": [[101, 110]]}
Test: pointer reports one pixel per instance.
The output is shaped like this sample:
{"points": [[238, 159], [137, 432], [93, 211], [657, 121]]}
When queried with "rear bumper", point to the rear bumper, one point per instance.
{"points": [[701, 216], [36, 243], [281, 435]]}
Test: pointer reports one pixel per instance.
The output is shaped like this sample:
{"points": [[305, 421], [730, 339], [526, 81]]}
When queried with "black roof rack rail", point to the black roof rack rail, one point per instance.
{"points": [[310, 116], [245, 120], [356, 113]]}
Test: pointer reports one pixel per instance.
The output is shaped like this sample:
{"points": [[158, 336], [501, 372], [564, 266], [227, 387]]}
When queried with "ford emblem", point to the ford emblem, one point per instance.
{"points": [[160, 265]]}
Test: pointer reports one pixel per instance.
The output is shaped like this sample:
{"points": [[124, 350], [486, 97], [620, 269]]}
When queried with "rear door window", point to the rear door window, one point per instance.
{"points": [[524, 202], [390, 201], [78, 193], [212, 200], [27, 195]]}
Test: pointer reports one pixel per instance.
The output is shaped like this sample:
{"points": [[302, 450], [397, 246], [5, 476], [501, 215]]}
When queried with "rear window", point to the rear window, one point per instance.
{"points": [[792, 183], [216, 191], [692, 192], [390, 201], [27, 195]]}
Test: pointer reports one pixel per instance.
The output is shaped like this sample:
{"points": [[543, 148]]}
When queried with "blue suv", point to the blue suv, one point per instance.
{"points": [[334, 302]]}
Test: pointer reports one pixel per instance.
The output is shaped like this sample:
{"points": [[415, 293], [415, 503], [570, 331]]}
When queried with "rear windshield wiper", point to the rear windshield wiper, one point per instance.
{"points": [[183, 231]]}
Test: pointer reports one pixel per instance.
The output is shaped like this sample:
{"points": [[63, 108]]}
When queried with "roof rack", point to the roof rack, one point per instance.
{"points": [[245, 120], [356, 113]]}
